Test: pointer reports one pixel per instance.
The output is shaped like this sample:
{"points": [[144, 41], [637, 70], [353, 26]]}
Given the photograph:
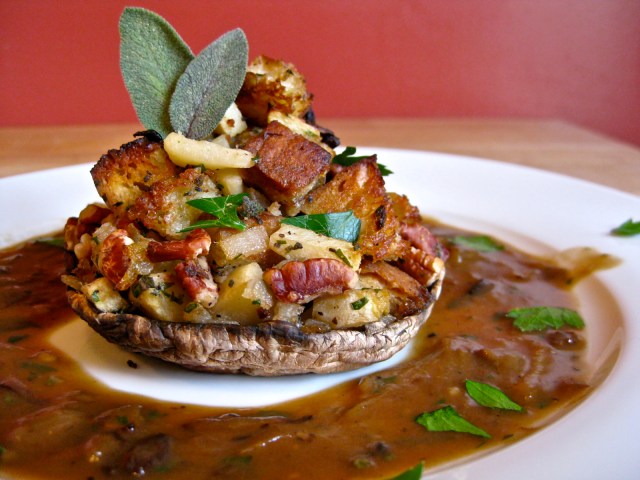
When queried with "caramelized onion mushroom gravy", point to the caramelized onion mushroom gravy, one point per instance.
{"points": [[57, 423]]}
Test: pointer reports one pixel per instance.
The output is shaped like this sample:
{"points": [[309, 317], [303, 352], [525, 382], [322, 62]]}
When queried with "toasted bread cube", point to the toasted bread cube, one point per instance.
{"points": [[360, 188], [122, 175], [296, 243], [272, 85], [288, 167], [164, 207]]}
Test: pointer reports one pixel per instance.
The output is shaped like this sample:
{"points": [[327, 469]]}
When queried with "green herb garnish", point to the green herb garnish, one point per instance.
{"points": [[340, 225], [358, 304], [414, 473], [52, 241], [481, 243], [490, 396], [209, 84], [152, 58], [17, 338], [340, 254], [347, 158], [541, 318], [447, 419], [190, 307], [122, 419], [627, 229], [225, 209]]}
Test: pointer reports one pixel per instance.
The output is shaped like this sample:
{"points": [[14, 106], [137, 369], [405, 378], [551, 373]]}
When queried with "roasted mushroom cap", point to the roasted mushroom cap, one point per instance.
{"points": [[266, 349]]}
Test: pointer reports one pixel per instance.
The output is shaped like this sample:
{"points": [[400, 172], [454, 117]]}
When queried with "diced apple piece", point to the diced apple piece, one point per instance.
{"points": [[352, 308], [234, 247], [287, 312], [295, 243], [232, 123], [159, 297], [230, 180], [242, 295], [187, 152], [104, 296]]}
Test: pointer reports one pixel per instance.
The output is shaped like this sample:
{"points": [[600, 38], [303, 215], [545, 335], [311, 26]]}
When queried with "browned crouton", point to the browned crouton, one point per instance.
{"points": [[164, 207], [408, 295], [289, 165], [360, 188], [272, 85], [122, 175]]}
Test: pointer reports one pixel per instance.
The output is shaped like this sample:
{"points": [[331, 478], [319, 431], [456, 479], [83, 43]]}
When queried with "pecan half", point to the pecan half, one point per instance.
{"points": [[196, 279], [301, 282], [195, 244], [421, 265], [113, 258], [421, 238]]}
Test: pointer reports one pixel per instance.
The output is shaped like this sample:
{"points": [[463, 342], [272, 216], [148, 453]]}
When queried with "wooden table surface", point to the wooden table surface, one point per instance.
{"points": [[547, 144]]}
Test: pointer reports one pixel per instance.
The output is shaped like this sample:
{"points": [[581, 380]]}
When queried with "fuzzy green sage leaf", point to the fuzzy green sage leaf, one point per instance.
{"points": [[480, 243], [627, 229], [447, 419], [535, 319], [152, 58], [340, 225], [414, 473], [225, 209], [490, 396], [209, 85]]}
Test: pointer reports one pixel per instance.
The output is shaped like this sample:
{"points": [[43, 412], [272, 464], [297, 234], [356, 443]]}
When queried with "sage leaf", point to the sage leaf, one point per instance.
{"points": [[447, 419], [209, 85], [535, 319], [627, 229], [152, 58], [490, 396], [340, 225], [414, 473], [225, 209], [480, 243]]}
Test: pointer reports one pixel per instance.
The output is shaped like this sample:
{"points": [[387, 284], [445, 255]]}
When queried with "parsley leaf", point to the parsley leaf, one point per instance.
{"points": [[347, 158], [414, 473], [52, 241], [340, 225], [627, 229], [225, 209], [481, 243], [490, 396], [540, 318], [447, 419]]}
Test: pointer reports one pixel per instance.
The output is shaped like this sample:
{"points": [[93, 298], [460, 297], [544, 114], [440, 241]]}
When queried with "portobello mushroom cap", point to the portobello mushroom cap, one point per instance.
{"points": [[266, 349]]}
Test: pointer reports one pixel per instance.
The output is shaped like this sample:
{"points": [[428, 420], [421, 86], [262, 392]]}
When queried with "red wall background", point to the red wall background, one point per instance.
{"points": [[577, 60]]}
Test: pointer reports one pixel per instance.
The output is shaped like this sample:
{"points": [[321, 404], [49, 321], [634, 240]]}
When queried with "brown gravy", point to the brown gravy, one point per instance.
{"points": [[55, 422]]}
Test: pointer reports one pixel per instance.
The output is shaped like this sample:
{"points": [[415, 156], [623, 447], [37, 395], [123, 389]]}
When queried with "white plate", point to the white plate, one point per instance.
{"points": [[538, 211]]}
